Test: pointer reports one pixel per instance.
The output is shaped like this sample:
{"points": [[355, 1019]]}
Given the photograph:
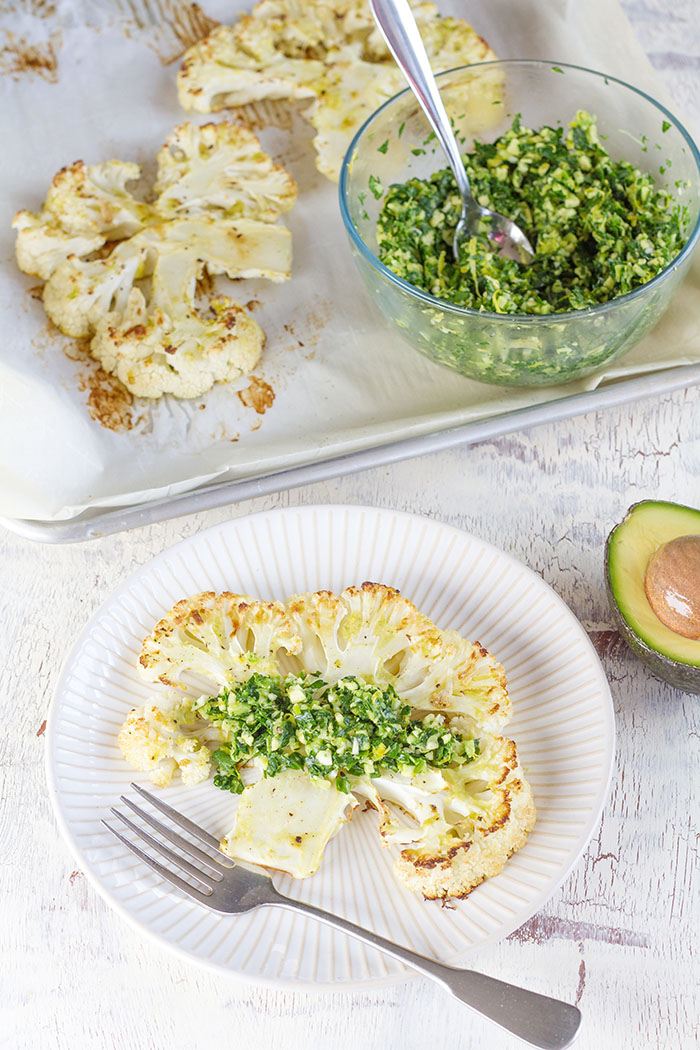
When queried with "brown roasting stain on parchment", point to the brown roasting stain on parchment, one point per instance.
{"points": [[265, 114], [258, 395], [168, 27], [109, 402], [18, 57], [40, 8], [188, 22]]}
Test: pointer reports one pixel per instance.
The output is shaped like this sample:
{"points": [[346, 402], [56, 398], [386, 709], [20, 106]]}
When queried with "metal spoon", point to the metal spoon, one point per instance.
{"points": [[398, 27]]}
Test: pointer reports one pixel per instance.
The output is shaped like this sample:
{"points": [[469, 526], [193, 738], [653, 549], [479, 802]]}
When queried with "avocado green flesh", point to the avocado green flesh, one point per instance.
{"points": [[648, 526]]}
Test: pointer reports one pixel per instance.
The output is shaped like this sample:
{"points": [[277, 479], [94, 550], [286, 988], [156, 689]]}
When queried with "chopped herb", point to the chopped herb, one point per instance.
{"points": [[665, 126], [402, 125], [351, 729], [384, 146], [557, 69], [417, 152], [375, 186], [599, 227]]}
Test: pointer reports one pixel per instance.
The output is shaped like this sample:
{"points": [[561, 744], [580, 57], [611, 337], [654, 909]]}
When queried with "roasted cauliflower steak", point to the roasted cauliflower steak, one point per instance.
{"points": [[127, 274], [452, 826], [327, 51]]}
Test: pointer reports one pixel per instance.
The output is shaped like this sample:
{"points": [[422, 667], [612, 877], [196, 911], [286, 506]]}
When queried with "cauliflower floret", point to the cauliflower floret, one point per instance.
{"points": [[42, 245], [151, 741], [167, 347], [79, 293], [299, 29], [352, 91], [373, 631], [360, 632], [217, 72], [455, 826], [220, 167], [466, 679], [153, 353], [84, 208], [93, 199], [452, 42], [223, 637], [327, 30]]}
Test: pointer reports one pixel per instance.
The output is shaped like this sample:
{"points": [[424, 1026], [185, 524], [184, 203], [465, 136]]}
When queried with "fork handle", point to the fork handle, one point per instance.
{"points": [[538, 1019]]}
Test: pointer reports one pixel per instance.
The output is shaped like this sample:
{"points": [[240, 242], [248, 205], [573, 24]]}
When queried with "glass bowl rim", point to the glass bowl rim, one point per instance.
{"points": [[527, 319]]}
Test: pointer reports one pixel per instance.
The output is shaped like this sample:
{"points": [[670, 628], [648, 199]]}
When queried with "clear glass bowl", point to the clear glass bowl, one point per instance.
{"points": [[517, 349]]}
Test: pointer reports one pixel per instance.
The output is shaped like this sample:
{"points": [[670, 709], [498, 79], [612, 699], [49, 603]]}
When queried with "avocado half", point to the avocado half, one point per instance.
{"points": [[647, 527]]}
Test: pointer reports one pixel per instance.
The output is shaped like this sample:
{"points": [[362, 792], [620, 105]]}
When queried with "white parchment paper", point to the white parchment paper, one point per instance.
{"points": [[78, 81]]}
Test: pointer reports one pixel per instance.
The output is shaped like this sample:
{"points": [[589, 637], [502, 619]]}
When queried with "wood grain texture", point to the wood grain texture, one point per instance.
{"points": [[620, 935]]}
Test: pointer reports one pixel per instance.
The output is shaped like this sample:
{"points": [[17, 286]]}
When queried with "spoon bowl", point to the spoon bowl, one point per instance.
{"points": [[508, 238]]}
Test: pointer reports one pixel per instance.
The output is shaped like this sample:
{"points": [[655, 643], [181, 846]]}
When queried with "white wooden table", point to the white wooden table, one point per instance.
{"points": [[620, 936]]}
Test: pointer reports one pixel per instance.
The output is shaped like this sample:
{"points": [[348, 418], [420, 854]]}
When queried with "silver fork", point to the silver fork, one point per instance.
{"points": [[227, 887]]}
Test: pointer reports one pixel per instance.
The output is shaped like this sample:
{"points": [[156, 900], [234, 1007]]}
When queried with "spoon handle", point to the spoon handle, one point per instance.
{"points": [[398, 27]]}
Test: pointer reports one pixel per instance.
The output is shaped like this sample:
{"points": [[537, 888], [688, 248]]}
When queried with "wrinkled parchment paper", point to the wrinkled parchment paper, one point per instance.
{"points": [[79, 80]]}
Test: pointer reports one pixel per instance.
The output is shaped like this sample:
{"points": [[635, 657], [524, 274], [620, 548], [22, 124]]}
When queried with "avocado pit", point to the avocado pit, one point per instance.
{"points": [[672, 585]]}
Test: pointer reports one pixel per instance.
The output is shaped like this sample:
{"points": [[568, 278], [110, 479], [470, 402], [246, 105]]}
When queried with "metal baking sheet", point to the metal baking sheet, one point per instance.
{"points": [[105, 522]]}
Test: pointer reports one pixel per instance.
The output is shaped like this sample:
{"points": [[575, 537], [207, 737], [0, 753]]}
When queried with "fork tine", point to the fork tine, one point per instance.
{"points": [[208, 880], [182, 822], [165, 873], [177, 840]]}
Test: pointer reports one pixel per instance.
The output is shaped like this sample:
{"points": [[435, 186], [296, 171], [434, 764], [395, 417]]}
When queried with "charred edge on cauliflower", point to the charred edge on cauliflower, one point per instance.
{"points": [[456, 869]]}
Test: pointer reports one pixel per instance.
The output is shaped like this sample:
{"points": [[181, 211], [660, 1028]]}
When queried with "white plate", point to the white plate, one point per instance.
{"points": [[563, 725]]}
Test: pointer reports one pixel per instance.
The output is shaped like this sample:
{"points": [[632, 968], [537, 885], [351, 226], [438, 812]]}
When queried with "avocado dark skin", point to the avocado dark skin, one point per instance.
{"points": [[676, 671]]}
